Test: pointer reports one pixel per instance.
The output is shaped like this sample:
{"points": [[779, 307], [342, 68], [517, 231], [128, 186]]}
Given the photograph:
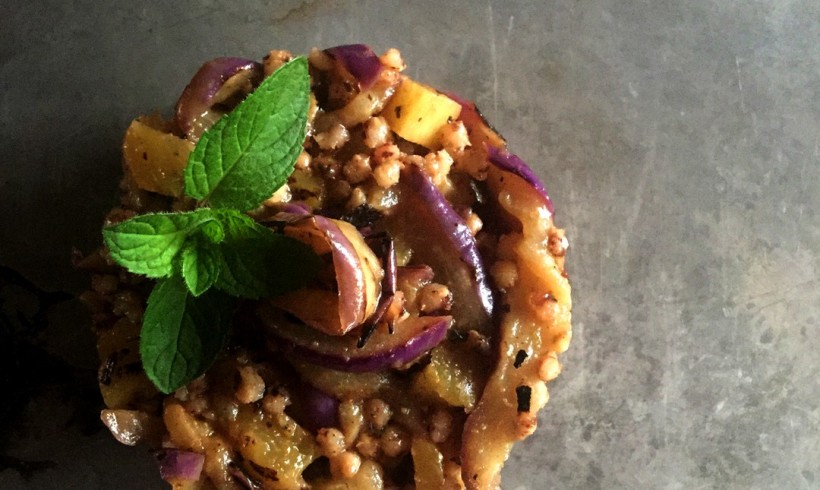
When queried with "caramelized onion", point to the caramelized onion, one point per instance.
{"points": [[507, 163], [412, 337], [176, 465], [338, 308], [360, 61], [222, 81], [438, 236]]}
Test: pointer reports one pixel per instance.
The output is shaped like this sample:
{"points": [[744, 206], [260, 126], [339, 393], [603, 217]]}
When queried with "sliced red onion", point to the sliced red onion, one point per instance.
{"points": [[131, 427], [360, 61], [176, 464], [484, 137], [336, 309], [387, 254], [412, 337], [509, 162], [480, 131], [296, 208], [217, 81], [438, 236], [320, 409], [414, 274]]}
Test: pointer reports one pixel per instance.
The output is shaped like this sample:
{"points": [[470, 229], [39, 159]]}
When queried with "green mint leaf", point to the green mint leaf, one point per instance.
{"points": [[212, 230], [250, 152], [257, 262], [200, 264], [148, 244], [182, 335]]}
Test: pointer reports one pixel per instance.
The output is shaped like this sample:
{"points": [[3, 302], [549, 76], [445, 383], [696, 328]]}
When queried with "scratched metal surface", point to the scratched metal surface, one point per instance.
{"points": [[680, 144]]}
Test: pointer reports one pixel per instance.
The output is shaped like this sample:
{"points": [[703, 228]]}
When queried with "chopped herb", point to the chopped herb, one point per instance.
{"points": [[523, 394], [520, 357]]}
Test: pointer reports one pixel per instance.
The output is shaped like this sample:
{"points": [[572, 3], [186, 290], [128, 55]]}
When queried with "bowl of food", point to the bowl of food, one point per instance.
{"points": [[323, 273]]}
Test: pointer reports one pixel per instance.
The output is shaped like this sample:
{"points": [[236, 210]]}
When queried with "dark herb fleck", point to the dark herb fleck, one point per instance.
{"points": [[520, 357], [522, 394], [362, 216]]}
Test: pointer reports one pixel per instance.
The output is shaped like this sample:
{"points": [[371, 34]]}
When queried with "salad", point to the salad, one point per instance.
{"points": [[325, 274]]}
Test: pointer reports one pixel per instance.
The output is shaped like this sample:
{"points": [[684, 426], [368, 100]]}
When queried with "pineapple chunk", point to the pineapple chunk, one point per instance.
{"points": [[418, 112], [454, 375], [428, 464], [155, 159], [276, 449]]}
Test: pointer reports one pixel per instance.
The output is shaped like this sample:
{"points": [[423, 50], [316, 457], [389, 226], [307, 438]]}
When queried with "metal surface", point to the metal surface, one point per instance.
{"points": [[679, 141]]}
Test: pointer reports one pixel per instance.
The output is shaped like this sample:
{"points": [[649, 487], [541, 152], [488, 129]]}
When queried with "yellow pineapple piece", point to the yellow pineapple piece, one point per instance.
{"points": [[418, 112], [155, 158]]}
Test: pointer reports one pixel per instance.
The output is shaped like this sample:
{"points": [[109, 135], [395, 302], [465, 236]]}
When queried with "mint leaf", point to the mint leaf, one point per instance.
{"points": [[182, 335], [147, 244], [200, 264], [250, 152], [212, 230], [257, 262]]}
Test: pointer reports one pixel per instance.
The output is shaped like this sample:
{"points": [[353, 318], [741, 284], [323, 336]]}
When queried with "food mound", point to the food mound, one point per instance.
{"points": [[325, 274]]}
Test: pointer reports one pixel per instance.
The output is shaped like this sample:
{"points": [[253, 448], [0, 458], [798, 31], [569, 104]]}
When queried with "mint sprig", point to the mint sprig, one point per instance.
{"points": [[240, 161], [182, 335], [206, 258], [147, 244]]}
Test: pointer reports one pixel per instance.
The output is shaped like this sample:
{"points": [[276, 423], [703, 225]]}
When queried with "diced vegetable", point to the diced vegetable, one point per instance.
{"points": [[438, 237], [359, 60], [358, 275], [343, 384], [427, 464], [509, 163], [275, 448], [121, 385], [412, 337], [417, 113], [131, 427], [537, 323], [222, 81], [369, 477], [180, 466], [455, 375], [367, 103], [155, 159]]}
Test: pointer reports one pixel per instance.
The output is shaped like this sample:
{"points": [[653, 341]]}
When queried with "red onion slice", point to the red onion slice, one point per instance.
{"points": [[360, 61], [337, 309], [438, 236], [387, 253], [483, 136], [217, 81], [418, 274], [175, 465], [509, 162], [318, 409], [480, 131], [412, 337]]}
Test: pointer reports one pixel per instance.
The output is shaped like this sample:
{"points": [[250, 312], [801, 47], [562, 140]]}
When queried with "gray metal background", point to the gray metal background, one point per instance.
{"points": [[679, 140]]}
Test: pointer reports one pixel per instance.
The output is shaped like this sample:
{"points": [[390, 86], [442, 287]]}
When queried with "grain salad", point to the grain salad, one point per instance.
{"points": [[325, 274]]}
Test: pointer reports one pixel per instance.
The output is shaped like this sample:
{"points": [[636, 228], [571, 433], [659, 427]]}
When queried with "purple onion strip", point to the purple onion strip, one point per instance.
{"points": [[388, 255], [510, 162], [198, 96], [360, 61], [176, 464]]}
